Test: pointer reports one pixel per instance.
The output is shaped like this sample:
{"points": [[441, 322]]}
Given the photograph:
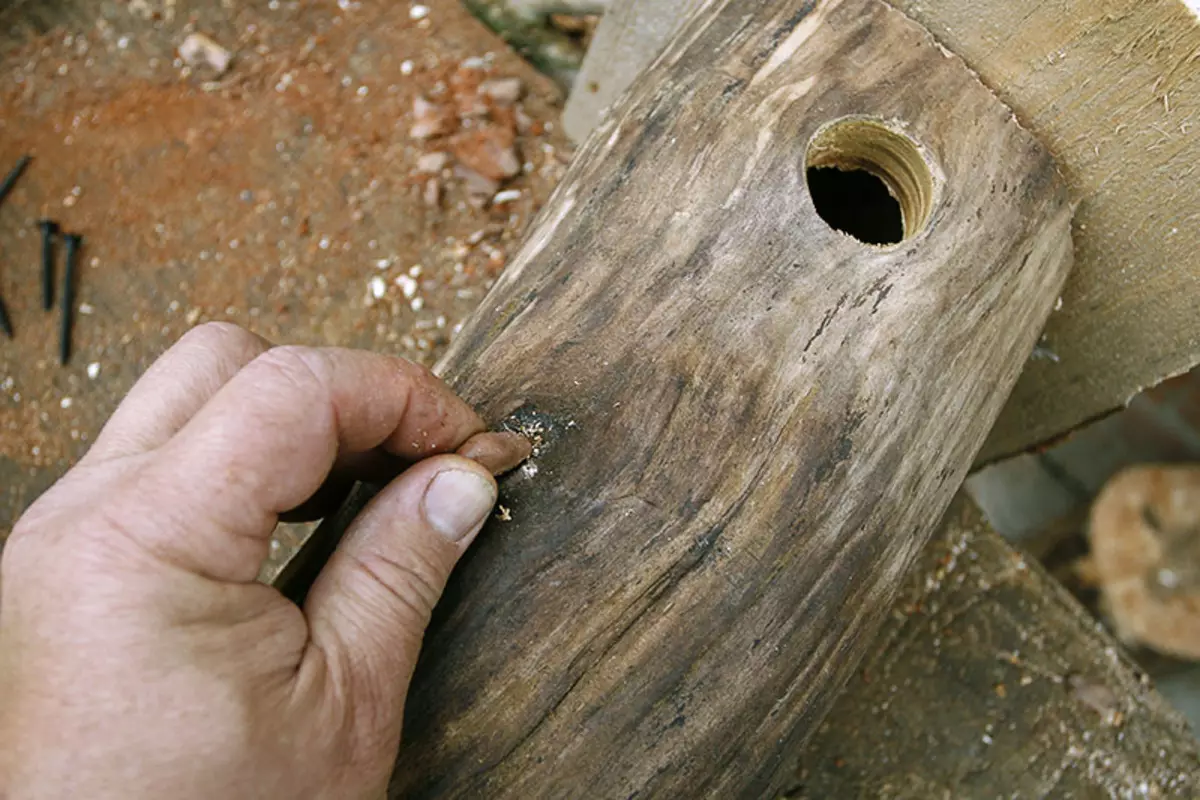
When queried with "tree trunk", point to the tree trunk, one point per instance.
{"points": [[1113, 89], [990, 680], [748, 423]]}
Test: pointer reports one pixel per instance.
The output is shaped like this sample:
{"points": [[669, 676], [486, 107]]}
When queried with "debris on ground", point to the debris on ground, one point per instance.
{"points": [[199, 50], [471, 119], [288, 196]]}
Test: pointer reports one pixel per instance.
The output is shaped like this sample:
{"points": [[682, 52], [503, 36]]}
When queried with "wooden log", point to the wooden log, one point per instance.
{"points": [[748, 422], [990, 680], [1113, 88], [630, 34]]}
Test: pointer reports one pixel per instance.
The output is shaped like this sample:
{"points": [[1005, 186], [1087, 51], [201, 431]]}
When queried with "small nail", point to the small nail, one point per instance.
{"points": [[74, 242], [457, 502], [10, 180], [49, 231]]}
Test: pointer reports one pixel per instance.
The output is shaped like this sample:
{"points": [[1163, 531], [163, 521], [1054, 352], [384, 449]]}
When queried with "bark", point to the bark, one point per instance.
{"points": [[748, 423]]}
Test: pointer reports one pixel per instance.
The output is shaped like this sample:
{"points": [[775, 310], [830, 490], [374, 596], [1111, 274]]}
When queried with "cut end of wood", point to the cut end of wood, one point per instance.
{"points": [[871, 146]]}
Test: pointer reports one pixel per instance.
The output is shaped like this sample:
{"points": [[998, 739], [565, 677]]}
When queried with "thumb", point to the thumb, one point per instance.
{"points": [[369, 608]]}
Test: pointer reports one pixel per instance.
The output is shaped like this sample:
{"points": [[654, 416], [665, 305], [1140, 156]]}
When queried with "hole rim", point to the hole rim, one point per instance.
{"points": [[912, 177]]}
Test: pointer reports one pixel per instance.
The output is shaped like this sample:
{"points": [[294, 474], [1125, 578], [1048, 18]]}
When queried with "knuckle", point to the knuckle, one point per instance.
{"points": [[410, 583], [297, 367], [221, 336]]}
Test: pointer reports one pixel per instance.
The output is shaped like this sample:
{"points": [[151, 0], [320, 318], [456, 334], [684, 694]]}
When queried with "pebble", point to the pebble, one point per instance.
{"points": [[432, 163], [198, 50], [407, 285]]}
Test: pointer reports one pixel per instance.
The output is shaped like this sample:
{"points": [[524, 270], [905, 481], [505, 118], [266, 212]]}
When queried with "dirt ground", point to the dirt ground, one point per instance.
{"points": [[284, 195]]}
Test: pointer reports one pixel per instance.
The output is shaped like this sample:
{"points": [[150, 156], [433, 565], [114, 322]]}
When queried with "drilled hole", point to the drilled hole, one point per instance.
{"points": [[868, 181], [856, 202]]}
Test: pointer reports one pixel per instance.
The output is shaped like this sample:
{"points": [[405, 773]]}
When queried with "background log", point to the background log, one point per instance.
{"points": [[1113, 88], [749, 422], [990, 680], [629, 35]]}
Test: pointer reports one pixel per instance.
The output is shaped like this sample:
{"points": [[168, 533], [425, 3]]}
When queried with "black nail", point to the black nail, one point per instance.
{"points": [[11, 179], [49, 229], [74, 243], [5, 325]]}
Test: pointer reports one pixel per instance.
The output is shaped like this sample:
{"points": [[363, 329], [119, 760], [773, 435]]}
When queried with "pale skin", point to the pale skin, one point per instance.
{"points": [[140, 658]]}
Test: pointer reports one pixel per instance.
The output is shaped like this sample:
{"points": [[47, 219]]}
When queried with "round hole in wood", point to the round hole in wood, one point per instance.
{"points": [[869, 181]]}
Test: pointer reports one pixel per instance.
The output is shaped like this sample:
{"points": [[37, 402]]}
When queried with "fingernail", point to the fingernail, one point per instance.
{"points": [[456, 503]]}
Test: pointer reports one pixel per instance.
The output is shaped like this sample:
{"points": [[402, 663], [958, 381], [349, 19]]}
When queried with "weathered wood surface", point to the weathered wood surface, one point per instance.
{"points": [[1113, 88], [752, 422], [990, 680]]}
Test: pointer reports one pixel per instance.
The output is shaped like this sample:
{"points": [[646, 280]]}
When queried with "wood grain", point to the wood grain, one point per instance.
{"points": [[990, 680], [749, 422], [1113, 88]]}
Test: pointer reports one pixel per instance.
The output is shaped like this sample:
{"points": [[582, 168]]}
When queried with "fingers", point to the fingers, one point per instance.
{"points": [[371, 604], [175, 387], [498, 452], [267, 440]]}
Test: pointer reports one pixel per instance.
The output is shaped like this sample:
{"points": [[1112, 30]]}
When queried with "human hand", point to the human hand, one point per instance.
{"points": [[138, 655]]}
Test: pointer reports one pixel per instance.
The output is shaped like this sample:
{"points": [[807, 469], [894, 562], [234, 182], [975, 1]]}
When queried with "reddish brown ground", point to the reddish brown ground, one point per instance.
{"points": [[271, 197]]}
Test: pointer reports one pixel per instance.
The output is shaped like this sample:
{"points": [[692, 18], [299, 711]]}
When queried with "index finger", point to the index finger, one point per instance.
{"points": [[267, 440]]}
